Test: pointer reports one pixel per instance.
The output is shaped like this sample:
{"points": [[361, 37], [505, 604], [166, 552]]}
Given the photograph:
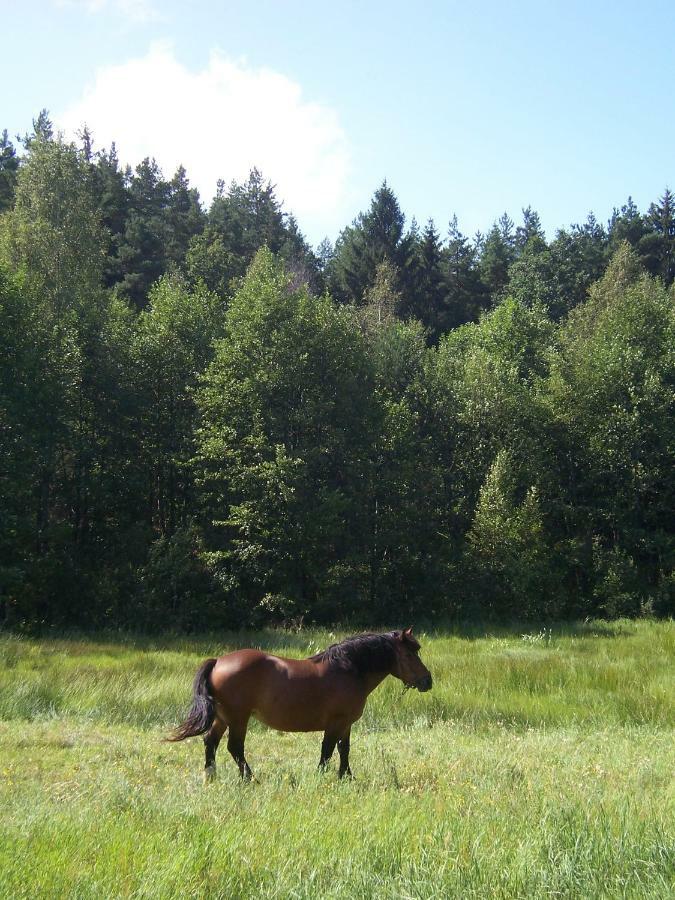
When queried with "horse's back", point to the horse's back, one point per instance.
{"points": [[241, 666]]}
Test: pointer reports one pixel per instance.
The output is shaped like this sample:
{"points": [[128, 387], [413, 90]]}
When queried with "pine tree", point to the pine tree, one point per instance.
{"points": [[9, 166], [580, 256], [530, 230], [112, 196], [242, 219], [184, 217], [626, 224], [43, 129], [498, 252], [657, 247], [373, 237], [143, 249], [466, 295], [427, 290]]}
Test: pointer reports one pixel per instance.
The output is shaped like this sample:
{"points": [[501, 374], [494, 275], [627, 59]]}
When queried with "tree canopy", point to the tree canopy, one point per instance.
{"points": [[205, 422]]}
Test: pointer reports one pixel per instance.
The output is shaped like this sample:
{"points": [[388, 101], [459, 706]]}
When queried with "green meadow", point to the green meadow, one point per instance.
{"points": [[540, 765]]}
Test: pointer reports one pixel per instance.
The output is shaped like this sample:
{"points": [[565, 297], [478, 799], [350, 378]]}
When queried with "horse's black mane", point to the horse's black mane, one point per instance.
{"points": [[361, 654]]}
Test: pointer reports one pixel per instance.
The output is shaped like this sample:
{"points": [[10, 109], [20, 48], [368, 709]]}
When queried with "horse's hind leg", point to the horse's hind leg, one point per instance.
{"points": [[343, 750], [327, 747], [211, 741], [235, 744]]}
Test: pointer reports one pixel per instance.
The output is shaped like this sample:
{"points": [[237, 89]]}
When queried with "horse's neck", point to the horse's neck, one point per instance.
{"points": [[373, 679]]}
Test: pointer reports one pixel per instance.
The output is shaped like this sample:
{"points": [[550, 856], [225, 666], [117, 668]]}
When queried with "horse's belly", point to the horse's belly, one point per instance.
{"points": [[281, 718]]}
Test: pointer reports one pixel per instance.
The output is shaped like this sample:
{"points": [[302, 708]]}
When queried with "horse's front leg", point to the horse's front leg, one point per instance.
{"points": [[343, 749], [327, 747]]}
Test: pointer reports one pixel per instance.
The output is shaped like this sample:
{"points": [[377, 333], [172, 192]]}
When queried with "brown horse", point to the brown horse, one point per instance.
{"points": [[326, 692]]}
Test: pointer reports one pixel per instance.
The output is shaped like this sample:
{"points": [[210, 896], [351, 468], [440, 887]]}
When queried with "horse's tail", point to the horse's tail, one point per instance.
{"points": [[202, 713]]}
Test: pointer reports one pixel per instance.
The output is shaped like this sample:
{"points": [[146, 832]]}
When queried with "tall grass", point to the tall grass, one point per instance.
{"points": [[619, 673], [540, 765]]}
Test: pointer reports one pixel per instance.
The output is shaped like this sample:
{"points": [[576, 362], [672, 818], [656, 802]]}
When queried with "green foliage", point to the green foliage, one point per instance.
{"points": [[176, 587], [142, 249], [393, 448], [184, 215], [53, 236], [406, 549], [611, 388], [466, 293], [9, 166], [508, 546], [382, 301], [53, 233], [39, 379], [241, 221], [534, 279], [627, 224], [530, 232], [482, 382], [429, 299], [172, 346], [373, 238], [497, 254], [580, 258], [285, 415], [657, 245]]}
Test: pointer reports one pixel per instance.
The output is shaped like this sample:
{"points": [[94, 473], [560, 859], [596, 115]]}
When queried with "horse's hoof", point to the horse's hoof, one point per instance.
{"points": [[209, 774]]}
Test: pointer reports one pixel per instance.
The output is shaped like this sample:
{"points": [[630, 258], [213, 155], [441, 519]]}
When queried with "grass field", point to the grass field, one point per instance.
{"points": [[540, 765]]}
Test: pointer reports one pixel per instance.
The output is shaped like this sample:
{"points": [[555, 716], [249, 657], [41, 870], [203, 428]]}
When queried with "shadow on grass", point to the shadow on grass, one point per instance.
{"points": [[307, 640], [474, 631], [82, 641]]}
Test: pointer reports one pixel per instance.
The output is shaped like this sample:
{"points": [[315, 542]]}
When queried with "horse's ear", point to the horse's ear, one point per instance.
{"points": [[408, 633]]}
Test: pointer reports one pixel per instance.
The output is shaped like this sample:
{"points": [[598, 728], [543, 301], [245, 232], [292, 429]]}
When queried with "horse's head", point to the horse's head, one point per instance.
{"points": [[408, 666]]}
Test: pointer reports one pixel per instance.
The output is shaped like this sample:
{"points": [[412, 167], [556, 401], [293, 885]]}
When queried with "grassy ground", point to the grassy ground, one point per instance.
{"points": [[541, 764]]}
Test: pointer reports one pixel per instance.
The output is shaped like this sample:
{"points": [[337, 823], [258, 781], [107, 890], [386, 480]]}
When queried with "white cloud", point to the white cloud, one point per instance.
{"points": [[137, 11], [220, 122]]}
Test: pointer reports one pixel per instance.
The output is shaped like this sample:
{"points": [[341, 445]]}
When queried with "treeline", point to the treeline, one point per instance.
{"points": [[204, 422]]}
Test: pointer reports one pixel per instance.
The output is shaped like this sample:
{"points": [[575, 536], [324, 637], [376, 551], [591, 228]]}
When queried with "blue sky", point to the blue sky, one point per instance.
{"points": [[473, 109]]}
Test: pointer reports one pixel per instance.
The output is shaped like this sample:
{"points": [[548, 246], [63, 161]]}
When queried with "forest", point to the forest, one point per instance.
{"points": [[207, 423]]}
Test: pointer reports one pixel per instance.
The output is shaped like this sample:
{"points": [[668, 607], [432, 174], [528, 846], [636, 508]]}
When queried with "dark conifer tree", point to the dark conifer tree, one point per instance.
{"points": [[241, 220], [626, 224], [530, 230], [43, 128], [498, 252], [9, 166], [142, 253], [112, 195], [580, 256], [657, 247], [185, 217], [373, 237], [466, 294], [427, 293]]}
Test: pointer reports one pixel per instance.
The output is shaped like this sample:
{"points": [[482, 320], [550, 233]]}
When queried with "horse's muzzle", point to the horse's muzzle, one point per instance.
{"points": [[424, 684]]}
